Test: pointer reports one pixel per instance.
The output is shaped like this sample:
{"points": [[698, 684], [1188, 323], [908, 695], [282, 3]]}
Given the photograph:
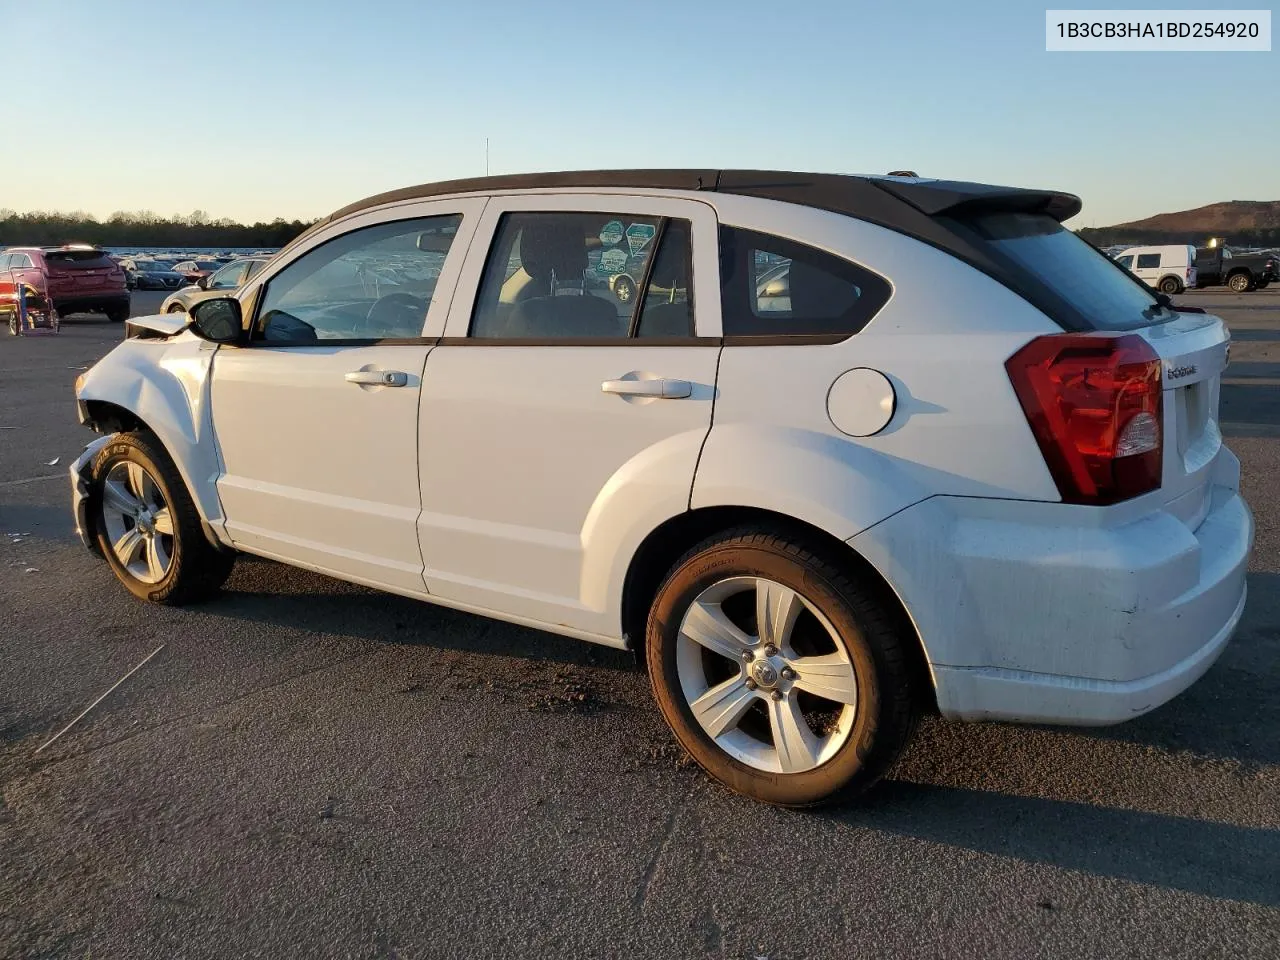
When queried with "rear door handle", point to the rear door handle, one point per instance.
{"points": [[378, 378], [664, 389]]}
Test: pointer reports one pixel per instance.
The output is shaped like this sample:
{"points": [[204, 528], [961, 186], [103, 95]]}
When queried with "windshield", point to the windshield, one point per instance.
{"points": [[207, 265], [1098, 288], [150, 266]]}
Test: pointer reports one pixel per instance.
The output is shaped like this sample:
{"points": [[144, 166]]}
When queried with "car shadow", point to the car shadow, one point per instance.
{"points": [[302, 600], [1201, 857]]}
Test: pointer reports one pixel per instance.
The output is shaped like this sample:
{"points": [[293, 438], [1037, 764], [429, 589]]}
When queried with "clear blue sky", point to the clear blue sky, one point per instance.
{"points": [[254, 110]]}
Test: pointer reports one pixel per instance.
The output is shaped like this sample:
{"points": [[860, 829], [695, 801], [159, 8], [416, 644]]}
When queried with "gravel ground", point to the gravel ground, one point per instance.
{"points": [[309, 768]]}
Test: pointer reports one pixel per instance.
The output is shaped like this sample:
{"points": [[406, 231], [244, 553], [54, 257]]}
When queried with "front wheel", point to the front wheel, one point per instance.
{"points": [[781, 676], [148, 527], [1171, 286]]}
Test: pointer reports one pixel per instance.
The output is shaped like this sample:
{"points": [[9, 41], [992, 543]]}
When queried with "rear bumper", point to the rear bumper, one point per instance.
{"points": [[1032, 613]]}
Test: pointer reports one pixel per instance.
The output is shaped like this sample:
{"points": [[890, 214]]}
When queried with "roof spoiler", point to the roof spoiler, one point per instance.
{"points": [[957, 199]]}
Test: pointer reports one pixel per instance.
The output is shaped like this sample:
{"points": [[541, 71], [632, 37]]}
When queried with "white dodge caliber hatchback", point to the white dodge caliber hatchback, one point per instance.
{"points": [[847, 449]]}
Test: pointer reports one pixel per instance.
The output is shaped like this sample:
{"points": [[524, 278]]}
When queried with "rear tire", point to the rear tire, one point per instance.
{"points": [[147, 525], [117, 314], [175, 308], [1171, 286], [1240, 282], [765, 732]]}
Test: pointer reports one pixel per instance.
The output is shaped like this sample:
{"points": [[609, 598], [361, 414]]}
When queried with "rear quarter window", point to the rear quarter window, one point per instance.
{"points": [[774, 287]]}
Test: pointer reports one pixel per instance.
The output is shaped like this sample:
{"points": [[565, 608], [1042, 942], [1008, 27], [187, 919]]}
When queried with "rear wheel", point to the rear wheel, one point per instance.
{"points": [[148, 527], [1171, 286], [781, 676], [118, 314], [175, 308], [1240, 282]]}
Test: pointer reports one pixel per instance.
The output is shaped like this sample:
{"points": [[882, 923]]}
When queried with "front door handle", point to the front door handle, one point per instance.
{"points": [[378, 378], [663, 389]]}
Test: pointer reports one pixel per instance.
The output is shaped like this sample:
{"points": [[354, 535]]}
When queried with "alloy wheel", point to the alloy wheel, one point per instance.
{"points": [[766, 675], [138, 522]]}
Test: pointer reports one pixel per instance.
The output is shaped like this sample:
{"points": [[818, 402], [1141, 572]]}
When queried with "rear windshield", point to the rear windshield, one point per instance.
{"points": [[1098, 289], [78, 259]]}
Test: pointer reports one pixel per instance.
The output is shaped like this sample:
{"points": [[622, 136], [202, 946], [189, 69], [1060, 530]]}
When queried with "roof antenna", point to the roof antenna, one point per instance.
{"points": [[486, 156]]}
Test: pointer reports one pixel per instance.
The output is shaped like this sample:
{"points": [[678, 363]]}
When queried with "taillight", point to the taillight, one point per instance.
{"points": [[1188, 273], [1094, 404]]}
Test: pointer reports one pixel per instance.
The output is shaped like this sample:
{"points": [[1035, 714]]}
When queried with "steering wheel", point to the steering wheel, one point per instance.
{"points": [[392, 314]]}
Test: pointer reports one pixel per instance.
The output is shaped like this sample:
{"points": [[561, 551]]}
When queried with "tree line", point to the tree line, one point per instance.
{"points": [[143, 229], [1113, 236]]}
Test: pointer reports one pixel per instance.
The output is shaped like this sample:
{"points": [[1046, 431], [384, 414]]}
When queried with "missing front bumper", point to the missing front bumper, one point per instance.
{"points": [[80, 471]]}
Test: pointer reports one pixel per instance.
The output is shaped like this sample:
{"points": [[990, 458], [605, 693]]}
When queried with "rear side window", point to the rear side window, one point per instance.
{"points": [[1148, 261], [78, 259], [773, 287], [1103, 295], [586, 276]]}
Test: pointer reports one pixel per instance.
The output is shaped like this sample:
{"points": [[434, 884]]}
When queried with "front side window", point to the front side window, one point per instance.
{"points": [[1126, 261], [1148, 261], [576, 276], [229, 277], [772, 287], [370, 284]]}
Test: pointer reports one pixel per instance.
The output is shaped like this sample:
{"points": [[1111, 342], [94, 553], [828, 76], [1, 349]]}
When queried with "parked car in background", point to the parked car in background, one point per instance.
{"points": [[1169, 269], [999, 491], [145, 274], [80, 278], [193, 270], [1218, 264], [219, 283]]}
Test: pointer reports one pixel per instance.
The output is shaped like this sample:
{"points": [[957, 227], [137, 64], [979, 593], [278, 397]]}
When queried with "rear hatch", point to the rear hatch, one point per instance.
{"points": [[80, 272], [1096, 295], [1193, 349]]}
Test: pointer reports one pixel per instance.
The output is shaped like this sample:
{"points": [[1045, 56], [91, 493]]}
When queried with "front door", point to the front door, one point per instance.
{"points": [[316, 417], [565, 409]]}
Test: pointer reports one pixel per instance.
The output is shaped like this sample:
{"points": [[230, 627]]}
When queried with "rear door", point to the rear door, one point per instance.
{"points": [[563, 413], [316, 418]]}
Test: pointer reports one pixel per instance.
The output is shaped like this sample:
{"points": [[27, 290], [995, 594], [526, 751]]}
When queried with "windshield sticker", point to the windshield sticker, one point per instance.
{"points": [[612, 261], [639, 235], [611, 233]]}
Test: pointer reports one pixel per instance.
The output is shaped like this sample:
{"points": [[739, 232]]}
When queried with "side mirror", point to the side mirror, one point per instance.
{"points": [[203, 282], [217, 320]]}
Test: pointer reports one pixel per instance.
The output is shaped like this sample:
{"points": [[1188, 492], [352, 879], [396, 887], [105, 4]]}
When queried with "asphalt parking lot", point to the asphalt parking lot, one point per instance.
{"points": [[313, 769]]}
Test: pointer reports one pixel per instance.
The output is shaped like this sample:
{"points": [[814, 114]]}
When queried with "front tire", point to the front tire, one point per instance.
{"points": [[784, 678], [175, 308], [147, 525]]}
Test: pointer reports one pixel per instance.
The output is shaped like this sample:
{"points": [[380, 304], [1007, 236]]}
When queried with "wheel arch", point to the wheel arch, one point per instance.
{"points": [[658, 552], [160, 387]]}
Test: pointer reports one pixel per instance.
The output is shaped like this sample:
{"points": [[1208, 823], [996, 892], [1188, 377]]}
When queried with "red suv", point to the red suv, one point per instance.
{"points": [[78, 277]]}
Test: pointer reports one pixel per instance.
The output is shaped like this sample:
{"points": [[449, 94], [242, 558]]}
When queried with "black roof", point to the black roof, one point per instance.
{"points": [[884, 200]]}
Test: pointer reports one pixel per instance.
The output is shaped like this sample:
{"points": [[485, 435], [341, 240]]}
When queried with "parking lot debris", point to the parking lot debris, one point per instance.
{"points": [[86, 710], [53, 462]]}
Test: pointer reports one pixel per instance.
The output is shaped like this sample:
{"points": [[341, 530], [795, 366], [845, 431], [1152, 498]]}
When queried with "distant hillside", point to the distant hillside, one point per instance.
{"points": [[1240, 222]]}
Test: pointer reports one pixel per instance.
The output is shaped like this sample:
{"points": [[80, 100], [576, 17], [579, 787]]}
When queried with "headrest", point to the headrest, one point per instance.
{"points": [[672, 271], [817, 293], [550, 244]]}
